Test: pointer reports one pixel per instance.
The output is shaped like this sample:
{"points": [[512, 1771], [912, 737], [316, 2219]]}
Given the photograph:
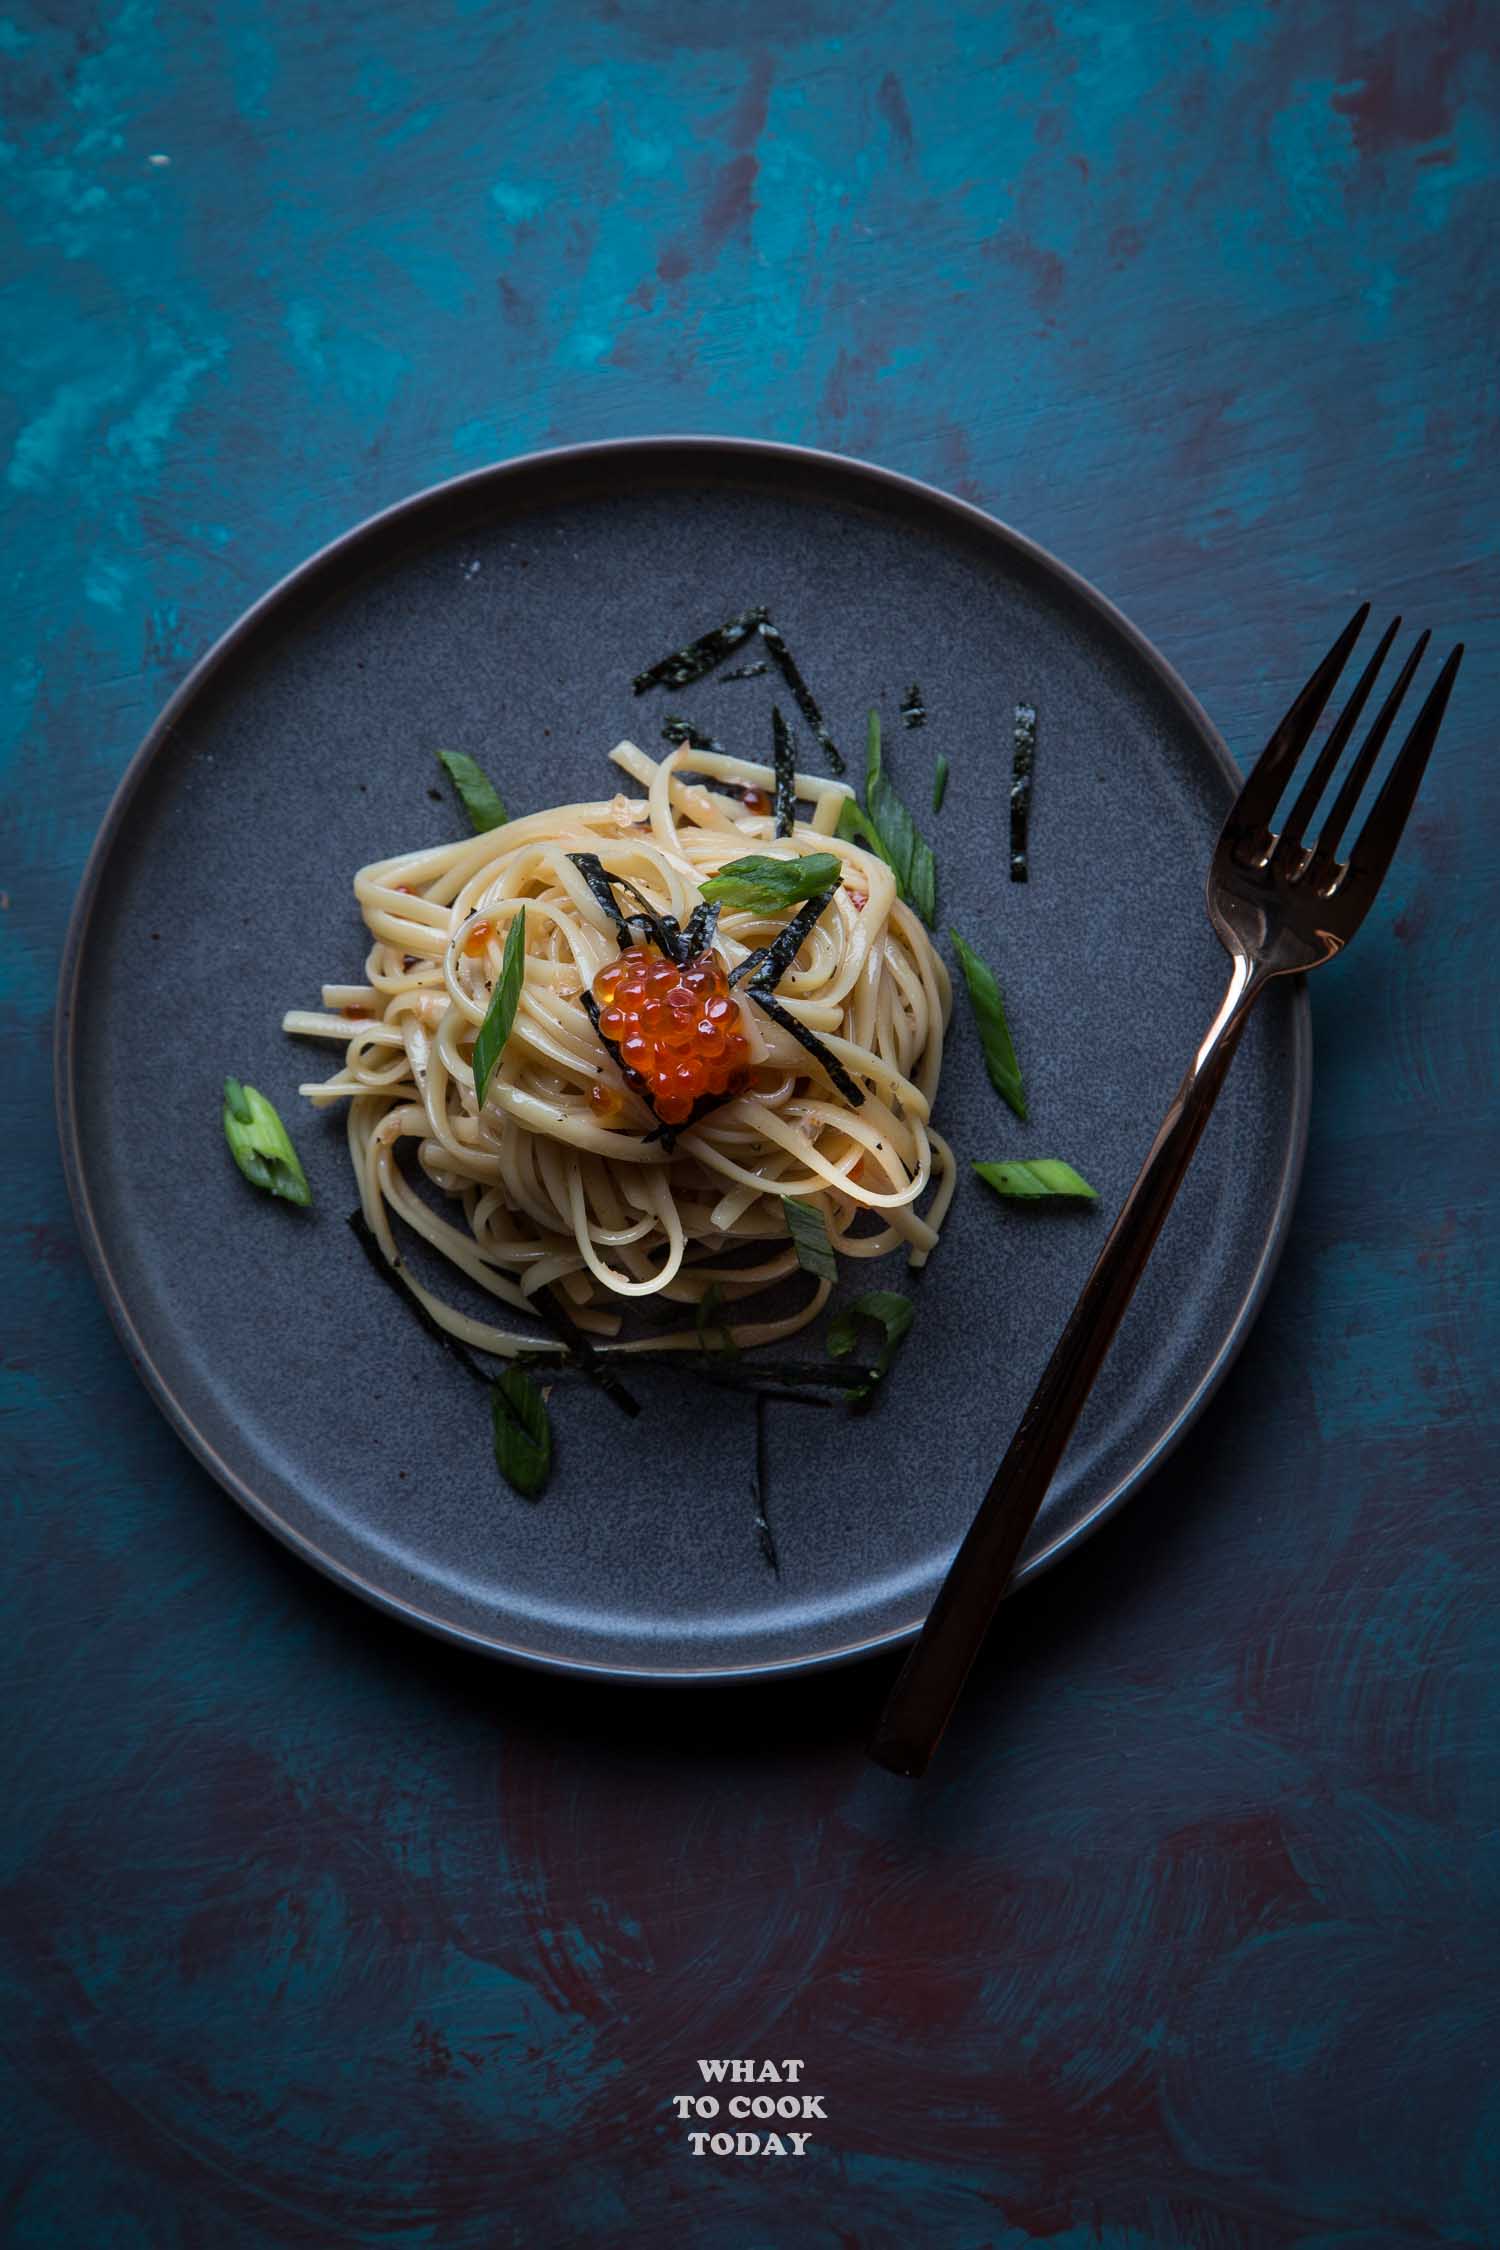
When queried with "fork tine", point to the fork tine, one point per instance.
{"points": [[1359, 773], [1272, 769], [1377, 840], [1294, 827]]}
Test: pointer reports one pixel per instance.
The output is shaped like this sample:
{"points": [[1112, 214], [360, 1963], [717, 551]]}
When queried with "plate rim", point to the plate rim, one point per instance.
{"points": [[603, 451]]}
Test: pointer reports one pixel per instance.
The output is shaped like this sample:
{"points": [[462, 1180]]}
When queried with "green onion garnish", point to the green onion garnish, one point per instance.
{"points": [[261, 1145], [501, 1012], [940, 783], [891, 1312], [761, 884], [480, 798], [522, 1432], [1042, 1176], [856, 827], [994, 1031], [809, 1232], [905, 847]]}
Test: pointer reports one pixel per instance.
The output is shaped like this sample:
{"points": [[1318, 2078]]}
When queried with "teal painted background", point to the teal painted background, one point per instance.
{"points": [[314, 1933]]}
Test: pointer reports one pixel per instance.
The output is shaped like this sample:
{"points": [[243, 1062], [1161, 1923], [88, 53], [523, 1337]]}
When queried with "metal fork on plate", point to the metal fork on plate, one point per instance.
{"points": [[1280, 905]]}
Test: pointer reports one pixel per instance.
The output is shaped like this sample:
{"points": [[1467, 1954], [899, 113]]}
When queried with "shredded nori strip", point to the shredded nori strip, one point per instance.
{"points": [[765, 999], [1020, 790], [735, 789], [389, 1271], [682, 733], [662, 929], [591, 868], [808, 1382], [550, 1310], [784, 758], [770, 963], [699, 934], [913, 709], [746, 671], [700, 657], [804, 1384], [583, 1355], [763, 1530], [761, 972], [687, 665], [786, 664]]}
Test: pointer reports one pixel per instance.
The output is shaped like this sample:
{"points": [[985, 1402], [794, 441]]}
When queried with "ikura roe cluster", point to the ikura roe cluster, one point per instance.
{"points": [[678, 1028]]}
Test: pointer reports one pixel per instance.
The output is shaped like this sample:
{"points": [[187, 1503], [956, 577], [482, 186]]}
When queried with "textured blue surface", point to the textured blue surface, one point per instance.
{"points": [[315, 1933]]}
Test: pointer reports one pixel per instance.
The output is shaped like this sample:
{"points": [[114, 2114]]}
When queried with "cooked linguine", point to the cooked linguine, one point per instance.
{"points": [[570, 1175]]}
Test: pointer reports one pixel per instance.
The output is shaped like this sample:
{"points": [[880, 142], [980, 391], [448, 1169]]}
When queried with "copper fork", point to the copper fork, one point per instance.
{"points": [[1281, 905]]}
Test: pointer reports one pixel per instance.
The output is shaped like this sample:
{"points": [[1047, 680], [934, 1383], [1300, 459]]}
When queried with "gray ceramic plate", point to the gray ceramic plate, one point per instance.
{"points": [[505, 614]]}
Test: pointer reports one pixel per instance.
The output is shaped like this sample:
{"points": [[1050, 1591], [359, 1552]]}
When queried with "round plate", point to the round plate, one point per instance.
{"points": [[505, 614]]}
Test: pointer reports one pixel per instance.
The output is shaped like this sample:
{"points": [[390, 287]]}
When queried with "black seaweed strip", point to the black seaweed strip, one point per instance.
{"points": [[700, 657], [806, 1374], [1020, 791], [684, 734], [913, 709], [750, 1381], [763, 1529], [585, 1358], [786, 664], [550, 1311], [591, 868], [390, 1273], [770, 964], [764, 998], [746, 672], [661, 928], [735, 789], [784, 759], [699, 934]]}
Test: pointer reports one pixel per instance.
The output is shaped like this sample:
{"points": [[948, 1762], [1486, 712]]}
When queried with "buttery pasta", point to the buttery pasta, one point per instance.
{"points": [[565, 1178]]}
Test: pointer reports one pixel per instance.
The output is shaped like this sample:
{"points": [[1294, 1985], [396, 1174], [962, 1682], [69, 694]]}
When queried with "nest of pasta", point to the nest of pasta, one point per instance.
{"points": [[569, 1175]]}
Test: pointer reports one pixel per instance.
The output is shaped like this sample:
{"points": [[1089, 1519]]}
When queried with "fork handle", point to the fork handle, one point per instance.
{"points": [[922, 1701]]}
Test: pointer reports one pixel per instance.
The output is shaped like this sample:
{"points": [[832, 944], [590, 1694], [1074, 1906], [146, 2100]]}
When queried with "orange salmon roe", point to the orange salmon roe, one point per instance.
{"points": [[477, 939], [679, 1029], [755, 800]]}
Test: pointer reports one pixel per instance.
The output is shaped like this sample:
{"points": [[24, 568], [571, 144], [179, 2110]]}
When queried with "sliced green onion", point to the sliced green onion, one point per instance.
{"points": [[892, 1313], [1040, 1176], [809, 1232], [905, 847], [501, 1012], [994, 1031], [856, 827], [261, 1145], [478, 794], [761, 884], [522, 1432]]}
